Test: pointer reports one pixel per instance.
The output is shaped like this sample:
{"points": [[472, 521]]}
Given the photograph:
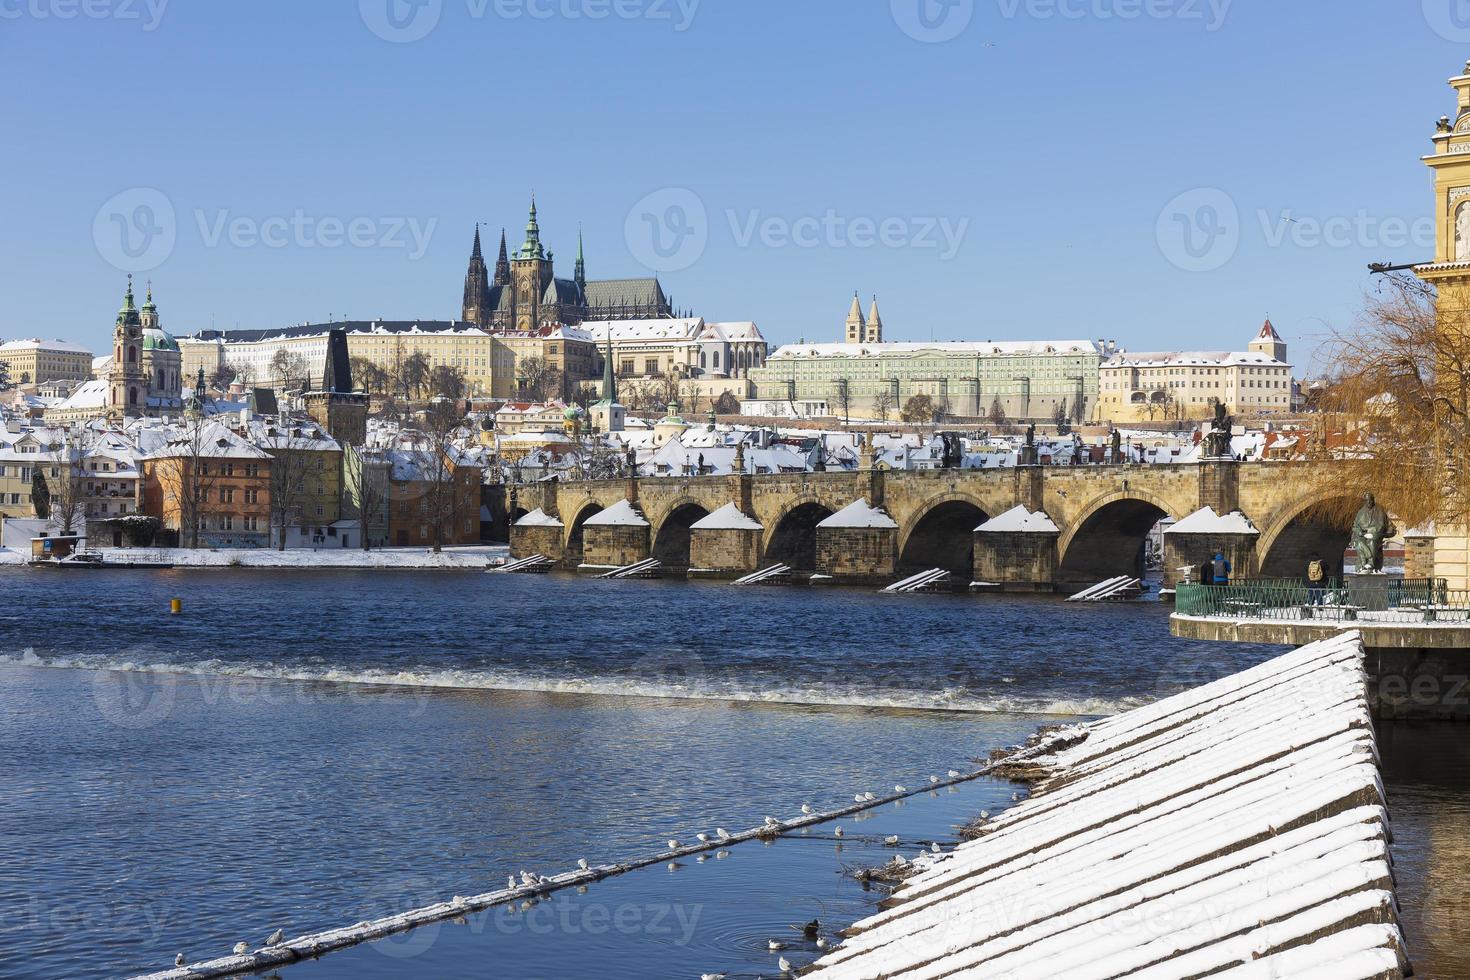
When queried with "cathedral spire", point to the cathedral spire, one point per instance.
{"points": [[532, 248], [857, 327], [875, 324], [580, 271], [475, 253], [502, 264]]}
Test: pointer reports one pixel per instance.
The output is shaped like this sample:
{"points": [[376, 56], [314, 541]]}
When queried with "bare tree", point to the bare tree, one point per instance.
{"points": [[186, 473], [287, 367], [447, 381], [438, 458], [843, 391], [1399, 426], [413, 375], [365, 473], [665, 389], [538, 379], [883, 404], [727, 404], [68, 492], [1061, 419], [223, 377], [298, 470], [997, 412], [370, 376]]}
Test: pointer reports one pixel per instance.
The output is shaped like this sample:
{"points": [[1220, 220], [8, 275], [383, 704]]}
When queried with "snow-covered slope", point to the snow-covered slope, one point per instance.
{"points": [[1236, 830]]}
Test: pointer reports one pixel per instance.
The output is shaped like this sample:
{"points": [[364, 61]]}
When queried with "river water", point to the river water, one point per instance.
{"points": [[305, 751]]}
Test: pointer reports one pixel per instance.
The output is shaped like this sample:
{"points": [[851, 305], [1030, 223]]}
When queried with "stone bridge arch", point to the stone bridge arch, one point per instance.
{"points": [[791, 535], [1106, 537], [1305, 528], [941, 533], [670, 529]]}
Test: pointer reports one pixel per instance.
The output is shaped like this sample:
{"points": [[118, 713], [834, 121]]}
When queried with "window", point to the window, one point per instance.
{"points": [[227, 495], [227, 523], [252, 496]]}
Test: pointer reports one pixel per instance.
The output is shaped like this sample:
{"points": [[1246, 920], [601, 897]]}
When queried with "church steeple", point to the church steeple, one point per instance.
{"points": [[532, 248], [875, 324], [477, 308], [579, 272], [857, 327], [502, 264]]}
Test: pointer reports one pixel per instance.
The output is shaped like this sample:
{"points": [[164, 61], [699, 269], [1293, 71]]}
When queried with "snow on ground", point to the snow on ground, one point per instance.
{"points": [[1234, 830], [464, 558], [9, 556]]}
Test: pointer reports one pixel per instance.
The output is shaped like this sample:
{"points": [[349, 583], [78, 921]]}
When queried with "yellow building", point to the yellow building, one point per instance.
{"points": [[386, 343], [1449, 273], [1187, 384], [35, 361]]}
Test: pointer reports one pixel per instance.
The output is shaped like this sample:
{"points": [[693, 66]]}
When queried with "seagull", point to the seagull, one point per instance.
{"points": [[772, 822], [242, 948], [891, 839], [703, 838], [807, 808], [954, 774], [837, 830], [722, 833], [868, 796], [933, 779], [984, 814], [180, 959], [673, 844], [274, 937], [900, 788], [934, 847], [675, 865], [821, 943], [582, 863], [857, 797], [510, 881], [721, 855], [773, 945], [711, 976], [784, 964]]}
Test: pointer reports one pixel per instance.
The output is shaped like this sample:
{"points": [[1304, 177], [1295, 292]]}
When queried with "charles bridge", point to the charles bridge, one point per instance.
{"points": [[1080, 525]]}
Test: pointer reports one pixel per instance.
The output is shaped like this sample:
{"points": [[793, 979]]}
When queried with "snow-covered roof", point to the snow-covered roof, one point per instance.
{"points": [[88, 395], [620, 514], [36, 343], [974, 348], [727, 518], [730, 333], [1206, 521], [681, 328], [1020, 519], [538, 518], [859, 514], [1191, 359]]}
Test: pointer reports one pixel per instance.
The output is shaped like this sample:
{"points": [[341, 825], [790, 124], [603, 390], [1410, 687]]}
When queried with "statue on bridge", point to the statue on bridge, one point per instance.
{"points": [[1029, 455], [1217, 440], [1371, 528], [1115, 443]]}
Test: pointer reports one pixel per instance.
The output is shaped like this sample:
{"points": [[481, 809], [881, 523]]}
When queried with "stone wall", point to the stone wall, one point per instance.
{"points": [[1194, 549], [613, 546], [537, 540], [1016, 561], [858, 554], [727, 552]]}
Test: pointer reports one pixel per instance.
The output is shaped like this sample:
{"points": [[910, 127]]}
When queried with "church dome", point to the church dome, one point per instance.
{"points": [[156, 338]]}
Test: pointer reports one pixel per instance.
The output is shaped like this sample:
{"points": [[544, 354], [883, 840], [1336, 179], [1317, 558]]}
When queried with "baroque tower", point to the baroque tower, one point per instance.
{"points": [[125, 393], [1449, 273], [857, 327], [530, 271], [1269, 342]]}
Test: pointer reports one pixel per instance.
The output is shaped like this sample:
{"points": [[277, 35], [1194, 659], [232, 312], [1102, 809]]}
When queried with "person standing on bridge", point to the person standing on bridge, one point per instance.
{"points": [[1220, 568], [1316, 580]]}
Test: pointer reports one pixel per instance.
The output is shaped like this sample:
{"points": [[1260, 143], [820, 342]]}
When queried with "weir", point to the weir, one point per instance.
{"points": [[1238, 830]]}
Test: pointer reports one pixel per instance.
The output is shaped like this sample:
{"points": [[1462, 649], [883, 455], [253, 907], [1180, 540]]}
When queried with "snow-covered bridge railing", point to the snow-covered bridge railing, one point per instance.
{"points": [[1237, 831]]}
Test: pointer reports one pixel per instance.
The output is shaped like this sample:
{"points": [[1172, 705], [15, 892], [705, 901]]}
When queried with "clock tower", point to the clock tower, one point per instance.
{"points": [[127, 390]]}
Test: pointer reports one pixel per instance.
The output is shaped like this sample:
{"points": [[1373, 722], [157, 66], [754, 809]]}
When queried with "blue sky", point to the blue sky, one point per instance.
{"points": [[1057, 168]]}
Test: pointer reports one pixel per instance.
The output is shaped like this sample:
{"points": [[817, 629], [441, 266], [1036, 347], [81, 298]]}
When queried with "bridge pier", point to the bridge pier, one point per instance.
{"points": [[614, 538], [538, 533], [1017, 552], [1199, 537], [726, 544], [858, 545]]}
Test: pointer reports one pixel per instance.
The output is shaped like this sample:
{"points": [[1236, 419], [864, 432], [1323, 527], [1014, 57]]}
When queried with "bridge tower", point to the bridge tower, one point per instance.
{"points": [[1449, 273]]}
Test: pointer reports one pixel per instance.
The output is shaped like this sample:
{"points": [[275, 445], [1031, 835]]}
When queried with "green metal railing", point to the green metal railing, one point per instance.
{"points": [[1376, 600]]}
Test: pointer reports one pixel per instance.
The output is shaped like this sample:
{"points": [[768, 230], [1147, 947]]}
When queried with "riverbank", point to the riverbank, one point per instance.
{"points": [[466, 558]]}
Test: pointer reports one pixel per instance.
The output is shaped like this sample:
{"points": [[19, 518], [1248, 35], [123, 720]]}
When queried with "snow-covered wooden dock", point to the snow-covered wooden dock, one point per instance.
{"points": [[1237, 831]]}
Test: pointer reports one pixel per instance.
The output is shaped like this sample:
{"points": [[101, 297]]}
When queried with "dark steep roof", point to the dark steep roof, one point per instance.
{"points": [[625, 292]]}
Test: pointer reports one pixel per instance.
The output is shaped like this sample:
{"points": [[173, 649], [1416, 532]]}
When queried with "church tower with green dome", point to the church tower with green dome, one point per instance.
{"points": [[126, 392]]}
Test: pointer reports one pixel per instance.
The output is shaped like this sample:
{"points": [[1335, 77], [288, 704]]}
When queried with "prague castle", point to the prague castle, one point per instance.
{"points": [[524, 294]]}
